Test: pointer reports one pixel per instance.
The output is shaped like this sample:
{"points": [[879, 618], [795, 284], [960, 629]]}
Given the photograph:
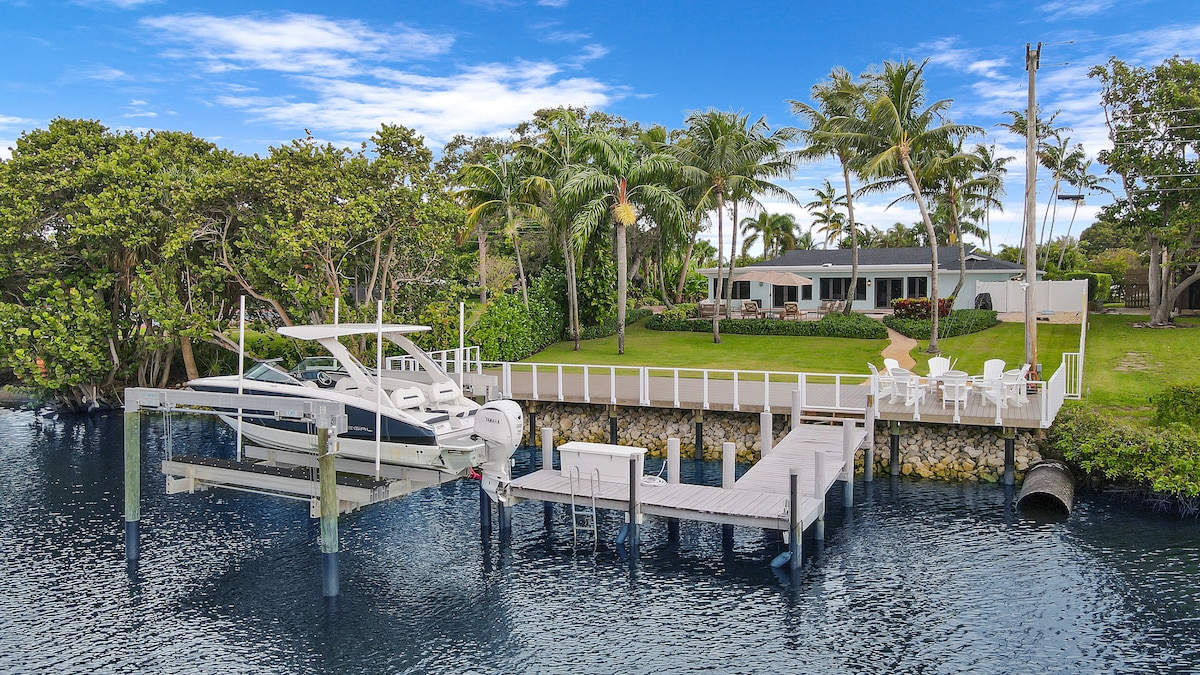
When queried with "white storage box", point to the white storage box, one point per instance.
{"points": [[611, 461]]}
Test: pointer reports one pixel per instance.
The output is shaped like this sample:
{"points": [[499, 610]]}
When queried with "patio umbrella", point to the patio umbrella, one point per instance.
{"points": [[774, 278]]}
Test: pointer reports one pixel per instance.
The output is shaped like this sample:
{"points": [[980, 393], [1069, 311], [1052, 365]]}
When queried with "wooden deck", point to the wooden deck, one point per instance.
{"points": [[975, 412], [760, 498]]}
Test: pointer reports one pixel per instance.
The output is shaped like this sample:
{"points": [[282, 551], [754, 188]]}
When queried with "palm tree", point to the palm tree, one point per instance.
{"points": [[1044, 129], [805, 242], [1061, 160], [899, 236], [763, 157], [899, 128], [1083, 180], [826, 217], [776, 231], [619, 183], [840, 108], [498, 189], [992, 170], [551, 157]]}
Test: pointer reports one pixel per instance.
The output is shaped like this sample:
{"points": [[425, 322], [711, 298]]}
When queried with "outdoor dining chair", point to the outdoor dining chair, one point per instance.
{"points": [[791, 310]]}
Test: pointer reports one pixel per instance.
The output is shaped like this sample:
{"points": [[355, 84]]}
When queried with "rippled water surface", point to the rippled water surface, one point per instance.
{"points": [[918, 577]]}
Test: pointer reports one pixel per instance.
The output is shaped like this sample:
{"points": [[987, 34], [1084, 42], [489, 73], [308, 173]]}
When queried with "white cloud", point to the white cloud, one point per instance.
{"points": [[119, 4], [137, 102], [557, 4], [6, 146], [987, 67], [561, 36], [10, 122], [1074, 9], [485, 99], [293, 43], [105, 74]]}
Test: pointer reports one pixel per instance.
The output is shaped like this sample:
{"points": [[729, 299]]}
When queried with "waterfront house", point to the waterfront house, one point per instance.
{"points": [[884, 274]]}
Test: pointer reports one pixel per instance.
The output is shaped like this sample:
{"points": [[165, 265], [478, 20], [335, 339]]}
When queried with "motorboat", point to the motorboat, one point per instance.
{"points": [[425, 420]]}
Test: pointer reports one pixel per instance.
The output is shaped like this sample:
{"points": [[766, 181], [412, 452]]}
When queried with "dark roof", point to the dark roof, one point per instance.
{"points": [[947, 258]]}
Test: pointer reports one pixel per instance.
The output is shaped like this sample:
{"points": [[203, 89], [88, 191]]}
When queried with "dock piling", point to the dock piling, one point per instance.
{"points": [[133, 485], [548, 465], [728, 456], [869, 451], [797, 407], [699, 452], [1010, 456], [533, 440], [485, 516], [794, 518], [635, 479], [894, 461], [819, 494], [848, 453], [327, 473], [673, 479], [612, 425], [766, 422]]}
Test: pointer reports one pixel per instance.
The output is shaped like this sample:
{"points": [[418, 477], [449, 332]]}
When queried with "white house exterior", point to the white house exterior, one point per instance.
{"points": [[884, 274]]}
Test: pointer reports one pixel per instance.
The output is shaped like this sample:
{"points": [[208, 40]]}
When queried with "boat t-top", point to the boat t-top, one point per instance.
{"points": [[425, 420]]}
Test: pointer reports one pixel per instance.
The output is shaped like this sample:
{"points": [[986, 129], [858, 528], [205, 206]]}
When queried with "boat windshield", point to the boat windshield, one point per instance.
{"points": [[267, 372]]}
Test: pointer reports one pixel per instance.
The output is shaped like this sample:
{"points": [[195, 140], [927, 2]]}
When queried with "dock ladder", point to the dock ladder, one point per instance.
{"points": [[583, 515]]}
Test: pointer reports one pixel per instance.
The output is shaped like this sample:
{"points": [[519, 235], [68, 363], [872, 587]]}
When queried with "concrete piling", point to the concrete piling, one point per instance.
{"points": [[327, 474], [133, 485]]}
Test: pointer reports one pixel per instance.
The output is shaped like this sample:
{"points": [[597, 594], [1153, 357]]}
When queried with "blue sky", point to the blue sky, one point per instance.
{"points": [[248, 75]]}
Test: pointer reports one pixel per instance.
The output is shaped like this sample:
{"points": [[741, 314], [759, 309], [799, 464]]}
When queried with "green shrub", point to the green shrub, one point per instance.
{"points": [[1163, 460], [610, 327], [506, 331], [959, 322], [684, 310], [1099, 287], [855, 326], [1178, 405]]}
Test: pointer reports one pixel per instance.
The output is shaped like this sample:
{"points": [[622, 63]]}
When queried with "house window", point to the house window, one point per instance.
{"points": [[917, 287], [837, 288], [741, 289], [806, 292]]}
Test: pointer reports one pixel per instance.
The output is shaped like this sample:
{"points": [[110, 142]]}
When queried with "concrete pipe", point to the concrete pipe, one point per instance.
{"points": [[1049, 489]]}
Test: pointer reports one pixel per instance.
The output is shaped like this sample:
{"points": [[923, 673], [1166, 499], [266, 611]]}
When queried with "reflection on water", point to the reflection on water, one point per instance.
{"points": [[918, 577]]}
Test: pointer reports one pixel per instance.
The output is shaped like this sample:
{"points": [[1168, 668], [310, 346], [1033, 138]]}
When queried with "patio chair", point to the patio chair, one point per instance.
{"points": [[908, 387], [791, 310], [938, 365], [887, 384], [824, 308], [708, 310], [891, 364], [954, 389], [750, 309], [838, 306], [991, 385], [1014, 385]]}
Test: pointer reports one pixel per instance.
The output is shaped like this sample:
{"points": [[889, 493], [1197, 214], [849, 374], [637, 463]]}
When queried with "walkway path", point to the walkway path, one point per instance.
{"points": [[898, 348]]}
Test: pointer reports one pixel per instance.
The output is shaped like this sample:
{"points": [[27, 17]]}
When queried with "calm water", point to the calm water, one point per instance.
{"points": [[919, 577]]}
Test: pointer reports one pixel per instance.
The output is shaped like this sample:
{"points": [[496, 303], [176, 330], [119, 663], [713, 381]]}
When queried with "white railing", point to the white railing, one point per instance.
{"points": [[1053, 395], [700, 388], [452, 361], [1072, 363]]}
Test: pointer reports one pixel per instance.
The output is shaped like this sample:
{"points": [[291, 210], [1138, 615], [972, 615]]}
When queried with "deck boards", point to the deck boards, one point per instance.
{"points": [[759, 498]]}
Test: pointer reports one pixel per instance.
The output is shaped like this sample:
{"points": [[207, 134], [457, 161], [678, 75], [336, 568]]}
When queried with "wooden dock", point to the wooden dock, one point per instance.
{"points": [[760, 498]]}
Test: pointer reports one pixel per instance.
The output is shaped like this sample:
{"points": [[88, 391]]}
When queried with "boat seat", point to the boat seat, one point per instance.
{"points": [[345, 384], [408, 397], [442, 392]]}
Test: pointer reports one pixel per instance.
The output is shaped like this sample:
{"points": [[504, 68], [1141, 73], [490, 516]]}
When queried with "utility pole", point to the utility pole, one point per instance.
{"points": [[1032, 61]]}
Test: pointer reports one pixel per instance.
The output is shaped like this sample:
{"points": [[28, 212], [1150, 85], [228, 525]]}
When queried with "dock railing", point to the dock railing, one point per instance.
{"points": [[698, 388], [452, 361]]}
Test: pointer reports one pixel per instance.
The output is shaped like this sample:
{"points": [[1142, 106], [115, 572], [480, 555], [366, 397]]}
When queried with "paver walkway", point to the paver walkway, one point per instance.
{"points": [[898, 348]]}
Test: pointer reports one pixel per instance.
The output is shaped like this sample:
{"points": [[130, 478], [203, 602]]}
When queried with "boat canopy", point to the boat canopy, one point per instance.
{"points": [[329, 330]]}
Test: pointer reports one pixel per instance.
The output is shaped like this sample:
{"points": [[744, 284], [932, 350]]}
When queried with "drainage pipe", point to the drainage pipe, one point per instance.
{"points": [[1049, 487]]}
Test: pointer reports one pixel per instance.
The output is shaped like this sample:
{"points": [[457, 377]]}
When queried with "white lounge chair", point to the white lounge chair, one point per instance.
{"points": [[938, 365], [887, 384]]}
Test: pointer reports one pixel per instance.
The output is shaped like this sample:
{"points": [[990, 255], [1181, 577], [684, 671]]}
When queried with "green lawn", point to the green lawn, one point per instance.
{"points": [[645, 347], [1005, 341], [1126, 366]]}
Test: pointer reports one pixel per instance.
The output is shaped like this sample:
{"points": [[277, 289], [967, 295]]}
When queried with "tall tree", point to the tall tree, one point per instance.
{"points": [[1153, 116], [899, 130], [621, 185], [1085, 182], [992, 169], [499, 189], [826, 217], [840, 107]]}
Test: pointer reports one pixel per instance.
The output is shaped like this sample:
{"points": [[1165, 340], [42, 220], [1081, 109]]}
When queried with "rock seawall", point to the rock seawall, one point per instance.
{"points": [[937, 451]]}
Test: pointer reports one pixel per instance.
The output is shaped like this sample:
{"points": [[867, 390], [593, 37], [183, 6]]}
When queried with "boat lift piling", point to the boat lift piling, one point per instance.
{"points": [[133, 485], [728, 458], [327, 472], [548, 463]]}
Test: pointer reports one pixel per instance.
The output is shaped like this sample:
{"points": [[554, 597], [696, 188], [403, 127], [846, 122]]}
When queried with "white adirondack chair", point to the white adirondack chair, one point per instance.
{"points": [[991, 384], [887, 384], [938, 365], [891, 364], [1014, 385]]}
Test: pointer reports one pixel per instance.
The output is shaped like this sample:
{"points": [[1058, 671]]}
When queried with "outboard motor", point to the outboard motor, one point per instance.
{"points": [[499, 424]]}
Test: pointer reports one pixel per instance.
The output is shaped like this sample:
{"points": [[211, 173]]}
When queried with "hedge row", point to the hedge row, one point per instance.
{"points": [[836, 324], [1165, 460], [959, 322], [1178, 405], [610, 327]]}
